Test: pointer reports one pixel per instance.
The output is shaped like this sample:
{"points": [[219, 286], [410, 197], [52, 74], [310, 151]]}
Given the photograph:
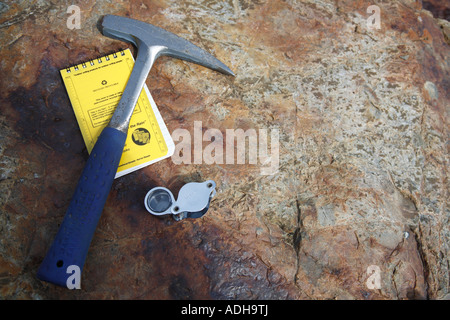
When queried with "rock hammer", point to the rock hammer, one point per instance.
{"points": [[71, 243]]}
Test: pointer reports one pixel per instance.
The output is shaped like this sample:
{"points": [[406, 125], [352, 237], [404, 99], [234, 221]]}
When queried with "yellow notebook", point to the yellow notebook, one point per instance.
{"points": [[94, 90]]}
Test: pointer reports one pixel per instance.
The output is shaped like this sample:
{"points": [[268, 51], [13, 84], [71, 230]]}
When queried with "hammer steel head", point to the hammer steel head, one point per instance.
{"points": [[140, 33], [152, 42]]}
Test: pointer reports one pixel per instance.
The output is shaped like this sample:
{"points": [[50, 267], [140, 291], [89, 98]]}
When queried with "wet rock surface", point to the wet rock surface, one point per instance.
{"points": [[357, 208]]}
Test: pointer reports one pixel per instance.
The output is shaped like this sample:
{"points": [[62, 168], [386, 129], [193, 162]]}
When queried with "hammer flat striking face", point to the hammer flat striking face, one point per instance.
{"points": [[72, 241]]}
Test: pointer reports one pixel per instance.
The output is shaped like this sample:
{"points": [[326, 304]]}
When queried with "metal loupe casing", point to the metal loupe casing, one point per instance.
{"points": [[193, 200]]}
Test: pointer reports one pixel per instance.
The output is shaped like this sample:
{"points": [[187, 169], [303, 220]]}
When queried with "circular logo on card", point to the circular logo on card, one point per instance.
{"points": [[141, 136]]}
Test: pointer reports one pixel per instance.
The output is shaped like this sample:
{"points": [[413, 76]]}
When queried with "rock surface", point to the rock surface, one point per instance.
{"points": [[357, 209]]}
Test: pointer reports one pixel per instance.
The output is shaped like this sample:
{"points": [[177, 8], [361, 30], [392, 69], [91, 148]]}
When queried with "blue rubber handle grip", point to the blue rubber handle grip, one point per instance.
{"points": [[72, 241]]}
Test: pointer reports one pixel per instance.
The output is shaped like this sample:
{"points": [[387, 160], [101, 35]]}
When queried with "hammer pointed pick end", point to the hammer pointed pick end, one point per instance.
{"points": [[223, 69], [228, 72]]}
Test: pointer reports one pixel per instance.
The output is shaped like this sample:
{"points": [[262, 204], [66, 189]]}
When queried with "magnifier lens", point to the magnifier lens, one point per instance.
{"points": [[159, 201]]}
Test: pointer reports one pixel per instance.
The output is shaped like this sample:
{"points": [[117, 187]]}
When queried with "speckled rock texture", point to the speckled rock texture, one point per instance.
{"points": [[358, 208]]}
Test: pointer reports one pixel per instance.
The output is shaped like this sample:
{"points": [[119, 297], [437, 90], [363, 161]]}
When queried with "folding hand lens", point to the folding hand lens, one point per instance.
{"points": [[193, 200]]}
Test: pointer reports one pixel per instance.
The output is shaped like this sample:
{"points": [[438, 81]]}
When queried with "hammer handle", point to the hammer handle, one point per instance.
{"points": [[72, 241]]}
